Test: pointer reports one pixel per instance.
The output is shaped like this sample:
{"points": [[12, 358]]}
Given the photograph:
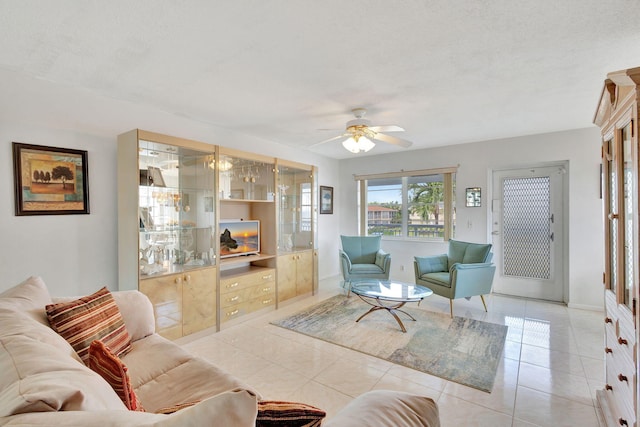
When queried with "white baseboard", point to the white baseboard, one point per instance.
{"points": [[585, 307]]}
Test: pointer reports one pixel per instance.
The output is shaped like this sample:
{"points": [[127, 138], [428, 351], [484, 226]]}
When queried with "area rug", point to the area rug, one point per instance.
{"points": [[462, 350]]}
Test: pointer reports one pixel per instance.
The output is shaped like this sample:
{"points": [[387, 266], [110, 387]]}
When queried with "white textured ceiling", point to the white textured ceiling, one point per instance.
{"points": [[448, 72]]}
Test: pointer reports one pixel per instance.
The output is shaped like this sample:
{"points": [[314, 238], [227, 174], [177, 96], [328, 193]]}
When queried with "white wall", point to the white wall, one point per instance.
{"points": [[580, 148]]}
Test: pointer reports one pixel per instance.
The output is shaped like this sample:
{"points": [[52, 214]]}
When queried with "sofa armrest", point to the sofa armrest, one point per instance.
{"points": [[386, 408], [472, 279], [345, 262], [137, 313], [383, 260], [234, 408]]}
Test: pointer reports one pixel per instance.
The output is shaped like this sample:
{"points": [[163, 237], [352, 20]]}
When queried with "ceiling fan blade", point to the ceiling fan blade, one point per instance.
{"points": [[328, 140], [393, 140], [387, 128]]}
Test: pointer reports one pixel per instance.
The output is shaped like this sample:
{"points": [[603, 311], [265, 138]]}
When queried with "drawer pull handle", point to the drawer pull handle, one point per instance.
{"points": [[623, 422], [266, 289], [266, 301], [232, 313], [232, 285], [608, 320], [622, 341], [608, 350], [267, 277], [236, 298], [608, 387], [622, 378]]}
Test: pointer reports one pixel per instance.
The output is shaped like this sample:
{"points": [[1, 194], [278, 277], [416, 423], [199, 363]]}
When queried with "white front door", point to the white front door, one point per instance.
{"points": [[527, 231]]}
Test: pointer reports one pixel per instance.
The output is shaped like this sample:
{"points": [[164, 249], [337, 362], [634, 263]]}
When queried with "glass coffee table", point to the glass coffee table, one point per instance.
{"points": [[389, 295]]}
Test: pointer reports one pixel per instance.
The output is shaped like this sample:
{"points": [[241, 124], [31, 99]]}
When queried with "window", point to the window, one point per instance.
{"points": [[418, 204]]}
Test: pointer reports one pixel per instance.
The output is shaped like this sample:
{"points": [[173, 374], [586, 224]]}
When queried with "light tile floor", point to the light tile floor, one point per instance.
{"points": [[551, 366]]}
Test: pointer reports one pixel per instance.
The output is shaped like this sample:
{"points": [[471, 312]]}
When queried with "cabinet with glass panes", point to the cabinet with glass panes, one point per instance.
{"points": [[617, 116], [296, 197], [166, 228], [247, 233]]}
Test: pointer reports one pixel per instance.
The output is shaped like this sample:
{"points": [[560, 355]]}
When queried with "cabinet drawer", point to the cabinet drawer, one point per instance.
{"points": [[622, 379], [242, 295], [234, 311], [242, 281]]}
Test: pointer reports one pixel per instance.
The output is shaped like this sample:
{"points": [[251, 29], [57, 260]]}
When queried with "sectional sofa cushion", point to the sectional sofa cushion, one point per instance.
{"points": [[90, 318], [38, 373], [165, 375], [110, 367], [30, 297]]}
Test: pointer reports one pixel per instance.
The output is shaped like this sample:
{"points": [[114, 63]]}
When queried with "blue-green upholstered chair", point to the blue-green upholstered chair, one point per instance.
{"points": [[362, 258], [464, 272]]}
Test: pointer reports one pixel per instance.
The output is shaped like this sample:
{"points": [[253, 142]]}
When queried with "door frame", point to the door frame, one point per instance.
{"points": [[565, 211]]}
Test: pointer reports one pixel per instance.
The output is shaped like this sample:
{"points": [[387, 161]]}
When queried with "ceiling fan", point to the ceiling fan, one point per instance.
{"points": [[361, 135]]}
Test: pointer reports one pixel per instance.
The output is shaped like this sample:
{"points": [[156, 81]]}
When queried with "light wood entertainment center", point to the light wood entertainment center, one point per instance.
{"points": [[174, 193]]}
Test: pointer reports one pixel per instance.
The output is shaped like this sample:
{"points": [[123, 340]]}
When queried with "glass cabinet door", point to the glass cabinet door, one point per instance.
{"points": [[621, 201], [630, 194], [295, 209], [176, 208], [611, 214]]}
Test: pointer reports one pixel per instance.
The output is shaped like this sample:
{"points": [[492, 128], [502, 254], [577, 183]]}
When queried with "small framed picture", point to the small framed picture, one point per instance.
{"points": [[50, 180], [474, 197], [326, 200]]}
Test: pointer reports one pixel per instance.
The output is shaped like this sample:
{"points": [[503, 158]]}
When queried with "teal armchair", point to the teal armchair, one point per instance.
{"points": [[362, 258], [464, 272]]}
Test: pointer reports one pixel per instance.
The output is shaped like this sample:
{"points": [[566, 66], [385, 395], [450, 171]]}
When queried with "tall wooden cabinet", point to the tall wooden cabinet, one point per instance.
{"points": [[617, 116], [176, 199], [296, 237], [166, 228]]}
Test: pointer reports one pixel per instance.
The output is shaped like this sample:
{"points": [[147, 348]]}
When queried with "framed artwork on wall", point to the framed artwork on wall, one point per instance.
{"points": [[474, 197], [326, 200], [49, 180]]}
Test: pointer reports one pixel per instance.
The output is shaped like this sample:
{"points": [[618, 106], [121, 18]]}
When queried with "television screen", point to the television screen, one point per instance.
{"points": [[239, 237]]}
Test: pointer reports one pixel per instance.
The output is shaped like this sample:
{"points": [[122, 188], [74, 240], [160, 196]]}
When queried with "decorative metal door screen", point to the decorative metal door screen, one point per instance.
{"points": [[526, 232]]}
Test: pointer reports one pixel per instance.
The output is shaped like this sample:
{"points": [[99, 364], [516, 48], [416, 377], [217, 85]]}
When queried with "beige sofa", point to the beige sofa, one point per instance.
{"points": [[44, 382]]}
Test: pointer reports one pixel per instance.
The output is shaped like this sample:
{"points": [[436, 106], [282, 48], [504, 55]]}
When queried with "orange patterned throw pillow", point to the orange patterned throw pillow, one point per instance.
{"points": [[94, 317], [111, 368], [273, 413]]}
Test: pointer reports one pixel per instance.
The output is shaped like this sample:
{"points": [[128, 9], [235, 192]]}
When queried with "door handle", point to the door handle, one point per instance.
{"points": [[495, 233], [551, 237]]}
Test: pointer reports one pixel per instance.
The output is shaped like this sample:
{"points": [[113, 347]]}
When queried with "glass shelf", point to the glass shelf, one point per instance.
{"points": [[246, 179]]}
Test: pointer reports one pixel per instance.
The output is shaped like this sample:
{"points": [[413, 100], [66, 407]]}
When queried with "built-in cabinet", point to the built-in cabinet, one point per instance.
{"points": [[296, 219], [182, 206], [166, 228], [617, 116], [247, 193]]}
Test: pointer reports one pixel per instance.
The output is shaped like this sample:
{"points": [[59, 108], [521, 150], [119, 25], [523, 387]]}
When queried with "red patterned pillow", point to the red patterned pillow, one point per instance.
{"points": [[94, 317], [273, 413], [111, 368]]}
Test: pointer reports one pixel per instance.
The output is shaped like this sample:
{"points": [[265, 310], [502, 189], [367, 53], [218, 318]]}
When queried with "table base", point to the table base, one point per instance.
{"points": [[392, 309]]}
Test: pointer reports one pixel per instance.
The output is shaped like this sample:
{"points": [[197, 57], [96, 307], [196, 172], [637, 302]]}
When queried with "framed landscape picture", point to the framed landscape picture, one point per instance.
{"points": [[326, 200], [49, 180]]}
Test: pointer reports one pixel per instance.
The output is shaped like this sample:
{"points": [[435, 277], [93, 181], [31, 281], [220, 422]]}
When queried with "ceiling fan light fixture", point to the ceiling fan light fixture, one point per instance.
{"points": [[365, 144], [351, 145], [356, 144]]}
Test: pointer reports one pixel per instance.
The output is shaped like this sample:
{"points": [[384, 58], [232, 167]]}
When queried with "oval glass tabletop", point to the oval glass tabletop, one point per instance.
{"points": [[390, 290]]}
